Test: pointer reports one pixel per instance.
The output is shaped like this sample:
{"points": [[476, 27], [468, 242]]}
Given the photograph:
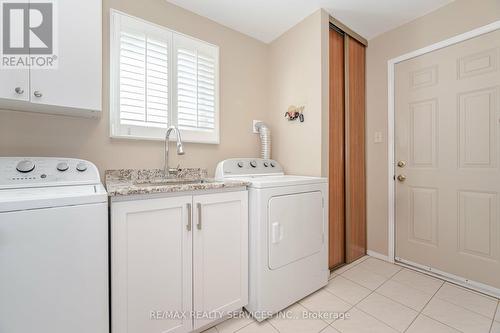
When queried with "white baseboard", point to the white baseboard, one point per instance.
{"points": [[378, 256]]}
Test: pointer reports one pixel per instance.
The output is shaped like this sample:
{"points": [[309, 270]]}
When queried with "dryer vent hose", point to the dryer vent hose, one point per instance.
{"points": [[265, 140]]}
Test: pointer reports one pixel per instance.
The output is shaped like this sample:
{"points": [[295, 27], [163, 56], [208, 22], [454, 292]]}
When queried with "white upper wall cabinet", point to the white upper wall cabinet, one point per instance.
{"points": [[74, 85]]}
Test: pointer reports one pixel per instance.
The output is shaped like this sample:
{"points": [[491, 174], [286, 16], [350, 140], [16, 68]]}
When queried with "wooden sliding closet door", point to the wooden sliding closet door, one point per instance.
{"points": [[336, 151], [355, 159]]}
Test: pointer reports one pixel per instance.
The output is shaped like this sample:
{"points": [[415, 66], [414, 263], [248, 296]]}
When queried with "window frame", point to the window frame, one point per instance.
{"points": [[121, 131]]}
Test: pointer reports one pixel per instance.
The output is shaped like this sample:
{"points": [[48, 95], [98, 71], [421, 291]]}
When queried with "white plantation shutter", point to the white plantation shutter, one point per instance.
{"points": [[157, 82], [143, 80], [195, 90], [187, 106], [132, 77], [196, 65], [206, 92], [162, 78]]}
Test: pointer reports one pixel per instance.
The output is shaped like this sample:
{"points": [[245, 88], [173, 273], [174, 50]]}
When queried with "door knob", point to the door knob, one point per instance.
{"points": [[401, 178], [19, 90], [401, 164], [37, 94]]}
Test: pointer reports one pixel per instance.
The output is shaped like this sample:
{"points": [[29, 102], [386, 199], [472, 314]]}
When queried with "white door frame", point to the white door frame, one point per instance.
{"points": [[391, 119]]}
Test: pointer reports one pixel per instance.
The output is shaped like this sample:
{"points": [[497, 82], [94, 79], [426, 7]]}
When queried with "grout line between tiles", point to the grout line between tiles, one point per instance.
{"points": [[404, 285], [380, 320], [375, 292], [250, 323], [312, 312], [472, 291], [439, 321], [307, 309], [460, 306], [275, 328], [423, 314], [425, 305], [331, 292], [359, 284], [354, 264], [354, 306], [494, 317]]}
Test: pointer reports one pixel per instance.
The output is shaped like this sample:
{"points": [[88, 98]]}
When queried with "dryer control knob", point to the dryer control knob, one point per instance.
{"points": [[62, 166], [240, 164], [81, 167], [266, 164], [253, 164], [273, 164], [25, 166]]}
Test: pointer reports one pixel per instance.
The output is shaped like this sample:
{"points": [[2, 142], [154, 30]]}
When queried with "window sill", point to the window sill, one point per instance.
{"points": [[145, 138]]}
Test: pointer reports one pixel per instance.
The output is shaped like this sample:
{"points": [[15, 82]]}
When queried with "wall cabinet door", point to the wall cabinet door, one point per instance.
{"points": [[76, 83], [220, 253], [151, 265], [14, 84]]}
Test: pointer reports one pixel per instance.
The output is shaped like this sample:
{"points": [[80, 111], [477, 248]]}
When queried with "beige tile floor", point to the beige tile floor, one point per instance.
{"points": [[381, 297]]}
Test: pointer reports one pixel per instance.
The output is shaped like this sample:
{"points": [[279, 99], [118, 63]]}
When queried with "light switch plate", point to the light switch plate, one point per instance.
{"points": [[378, 137]]}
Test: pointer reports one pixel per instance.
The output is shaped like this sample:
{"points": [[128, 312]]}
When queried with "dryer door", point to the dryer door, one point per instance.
{"points": [[295, 227]]}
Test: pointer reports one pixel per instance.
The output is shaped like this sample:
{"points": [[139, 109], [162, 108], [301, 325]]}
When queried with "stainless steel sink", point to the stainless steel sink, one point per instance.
{"points": [[170, 182]]}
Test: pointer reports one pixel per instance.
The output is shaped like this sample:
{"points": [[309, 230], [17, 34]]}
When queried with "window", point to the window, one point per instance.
{"points": [[160, 78]]}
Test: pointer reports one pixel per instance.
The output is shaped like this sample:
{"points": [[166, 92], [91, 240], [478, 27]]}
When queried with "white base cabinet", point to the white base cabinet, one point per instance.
{"points": [[177, 263]]}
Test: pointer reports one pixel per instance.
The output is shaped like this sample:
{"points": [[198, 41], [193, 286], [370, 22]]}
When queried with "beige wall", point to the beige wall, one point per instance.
{"points": [[243, 93], [458, 17], [298, 62]]}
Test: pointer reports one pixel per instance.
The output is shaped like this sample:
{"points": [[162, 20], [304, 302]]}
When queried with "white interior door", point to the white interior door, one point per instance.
{"points": [[447, 106]]}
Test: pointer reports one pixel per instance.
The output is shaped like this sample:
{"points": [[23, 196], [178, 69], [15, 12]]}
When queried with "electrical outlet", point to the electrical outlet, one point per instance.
{"points": [[254, 129]]}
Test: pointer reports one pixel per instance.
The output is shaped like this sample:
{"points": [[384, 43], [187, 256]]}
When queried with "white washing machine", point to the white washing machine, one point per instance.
{"points": [[288, 233], [53, 247]]}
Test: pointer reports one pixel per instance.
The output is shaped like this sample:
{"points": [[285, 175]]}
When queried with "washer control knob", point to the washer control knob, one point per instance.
{"points": [[25, 166], [273, 164], [240, 164], [62, 166], [253, 164], [266, 164], [81, 167]]}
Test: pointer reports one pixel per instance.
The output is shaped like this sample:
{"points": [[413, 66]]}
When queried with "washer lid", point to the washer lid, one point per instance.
{"points": [[284, 180], [46, 197]]}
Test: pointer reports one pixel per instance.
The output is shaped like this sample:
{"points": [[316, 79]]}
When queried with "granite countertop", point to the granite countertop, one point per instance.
{"points": [[123, 182]]}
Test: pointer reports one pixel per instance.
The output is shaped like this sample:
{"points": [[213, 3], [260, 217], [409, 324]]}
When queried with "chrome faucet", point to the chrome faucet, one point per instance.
{"points": [[167, 171]]}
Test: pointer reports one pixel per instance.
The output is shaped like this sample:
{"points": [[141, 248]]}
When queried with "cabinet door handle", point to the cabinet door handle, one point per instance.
{"points": [[198, 225], [19, 90], [188, 226]]}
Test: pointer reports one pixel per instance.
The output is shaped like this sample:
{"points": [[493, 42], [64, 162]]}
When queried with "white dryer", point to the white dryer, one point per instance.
{"points": [[288, 233], [53, 246]]}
